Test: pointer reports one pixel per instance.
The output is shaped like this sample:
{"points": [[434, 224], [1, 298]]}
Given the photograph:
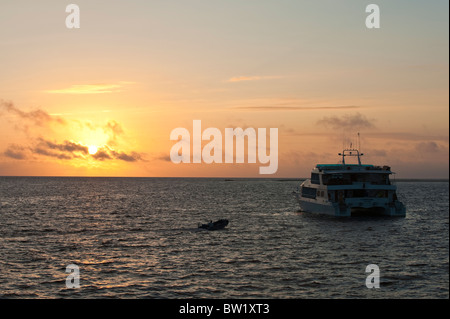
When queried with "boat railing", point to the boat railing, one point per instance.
{"points": [[351, 152]]}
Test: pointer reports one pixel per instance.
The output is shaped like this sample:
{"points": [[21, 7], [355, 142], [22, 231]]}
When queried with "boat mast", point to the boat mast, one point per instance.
{"points": [[352, 151]]}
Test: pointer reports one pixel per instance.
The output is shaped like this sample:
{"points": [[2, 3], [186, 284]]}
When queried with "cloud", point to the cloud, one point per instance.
{"points": [[252, 78], [114, 127], [428, 147], [67, 146], [407, 136], [355, 121], [68, 150], [46, 152], [296, 108], [101, 155], [113, 130], [15, 152], [162, 157], [38, 117], [91, 88], [133, 157], [106, 153]]}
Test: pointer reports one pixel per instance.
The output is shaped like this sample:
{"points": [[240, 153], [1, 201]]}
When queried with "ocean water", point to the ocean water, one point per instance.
{"points": [[138, 238]]}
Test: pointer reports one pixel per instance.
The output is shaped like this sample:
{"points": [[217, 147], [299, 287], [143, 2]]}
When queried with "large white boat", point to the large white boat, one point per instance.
{"points": [[350, 189]]}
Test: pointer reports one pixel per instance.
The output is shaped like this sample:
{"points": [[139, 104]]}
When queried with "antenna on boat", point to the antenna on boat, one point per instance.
{"points": [[352, 151], [359, 142]]}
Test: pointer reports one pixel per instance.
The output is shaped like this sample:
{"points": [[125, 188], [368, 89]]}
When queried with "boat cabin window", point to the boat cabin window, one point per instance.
{"points": [[309, 192], [350, 178], [376, 179], [315, 178], [336, 179]]}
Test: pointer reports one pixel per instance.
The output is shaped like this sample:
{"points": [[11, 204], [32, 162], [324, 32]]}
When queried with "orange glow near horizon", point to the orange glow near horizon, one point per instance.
{"points": [[102, 100]]}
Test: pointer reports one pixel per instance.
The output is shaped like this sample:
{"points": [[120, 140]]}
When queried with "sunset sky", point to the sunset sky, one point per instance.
{"points": [[103, 99]]}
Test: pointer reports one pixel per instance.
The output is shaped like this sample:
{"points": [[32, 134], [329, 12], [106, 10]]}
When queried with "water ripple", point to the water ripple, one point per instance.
{"points": [[138, 238]]}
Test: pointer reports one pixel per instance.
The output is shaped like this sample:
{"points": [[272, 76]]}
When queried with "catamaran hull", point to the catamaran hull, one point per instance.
{"points": [[311, 207], [334, 209]]}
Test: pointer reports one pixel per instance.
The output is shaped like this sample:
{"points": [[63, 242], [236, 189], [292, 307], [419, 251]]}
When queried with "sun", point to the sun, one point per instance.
{"points": [[92, 149]]}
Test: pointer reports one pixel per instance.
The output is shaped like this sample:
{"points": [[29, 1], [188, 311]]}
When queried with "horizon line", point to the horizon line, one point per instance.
{"points": [[212, 177]]}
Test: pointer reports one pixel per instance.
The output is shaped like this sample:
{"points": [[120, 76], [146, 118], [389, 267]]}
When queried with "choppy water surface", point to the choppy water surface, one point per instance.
{"points": [[138, 238]]}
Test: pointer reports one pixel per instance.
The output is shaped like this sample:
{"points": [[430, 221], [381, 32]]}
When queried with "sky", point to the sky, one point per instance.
{"points": [[103, 99]]}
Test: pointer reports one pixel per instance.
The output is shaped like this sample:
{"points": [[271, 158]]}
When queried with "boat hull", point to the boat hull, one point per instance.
{"points": [[350, 207], [220, 224], [319, 208]]}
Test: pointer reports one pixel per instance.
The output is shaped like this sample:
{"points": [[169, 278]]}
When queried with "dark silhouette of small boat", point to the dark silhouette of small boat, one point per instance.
{"points": [[220, 224]]}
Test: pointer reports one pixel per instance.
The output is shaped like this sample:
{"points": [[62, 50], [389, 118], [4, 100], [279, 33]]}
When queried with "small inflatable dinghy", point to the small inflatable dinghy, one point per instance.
{"points": [[220, 224]]}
